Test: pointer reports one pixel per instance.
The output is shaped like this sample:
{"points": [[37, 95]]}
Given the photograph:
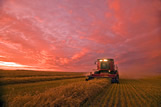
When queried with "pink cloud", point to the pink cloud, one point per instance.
{"points": [[80, 54], [71, 35]]}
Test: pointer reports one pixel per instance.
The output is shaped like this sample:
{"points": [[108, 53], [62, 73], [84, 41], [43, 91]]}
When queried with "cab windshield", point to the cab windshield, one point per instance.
{"points": [[104, 65]]}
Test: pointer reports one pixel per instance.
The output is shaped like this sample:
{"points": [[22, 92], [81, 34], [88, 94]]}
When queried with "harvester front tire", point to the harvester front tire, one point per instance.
{"points": [[89, 78], [86, 79], [113, 80], [117, 80]]}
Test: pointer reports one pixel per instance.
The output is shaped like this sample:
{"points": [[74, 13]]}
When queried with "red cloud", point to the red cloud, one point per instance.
{"points": [[73, 34], [80, 54], [39, 19]]}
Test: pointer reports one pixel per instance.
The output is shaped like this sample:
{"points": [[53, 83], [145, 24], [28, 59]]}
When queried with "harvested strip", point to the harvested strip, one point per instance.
{"points": [[135, 98], [112, 98], [131, 93], [122, 99], [100, 98], [132, 99], [107, 96]]}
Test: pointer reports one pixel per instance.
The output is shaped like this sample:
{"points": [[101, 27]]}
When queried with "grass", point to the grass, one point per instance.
{"points": [[68, 95], [16, 82], [37, 89], [25, 73], [4, 81], [29, 88], [14, 77]]}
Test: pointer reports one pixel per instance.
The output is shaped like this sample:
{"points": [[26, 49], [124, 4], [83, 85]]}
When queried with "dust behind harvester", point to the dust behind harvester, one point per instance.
{"points": [[105, 69]]}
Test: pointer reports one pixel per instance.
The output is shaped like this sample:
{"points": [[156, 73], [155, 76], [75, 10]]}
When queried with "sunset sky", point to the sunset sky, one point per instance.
{"points": [[69, 35]]}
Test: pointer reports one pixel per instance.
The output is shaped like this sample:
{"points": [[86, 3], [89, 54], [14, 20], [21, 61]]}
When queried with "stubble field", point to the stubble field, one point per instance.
{"points": [[36, 89]]}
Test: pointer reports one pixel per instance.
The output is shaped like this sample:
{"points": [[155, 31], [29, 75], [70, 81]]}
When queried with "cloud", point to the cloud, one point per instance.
{"points": [[80, 54], [135, 17], [71, 35]]}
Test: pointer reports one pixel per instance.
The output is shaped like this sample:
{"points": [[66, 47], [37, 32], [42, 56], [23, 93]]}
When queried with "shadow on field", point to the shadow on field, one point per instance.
{"points": [[1, 92], [1, 99]]}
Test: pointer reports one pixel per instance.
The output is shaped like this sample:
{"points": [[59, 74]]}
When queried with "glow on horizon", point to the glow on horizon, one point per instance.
{"points": [[11, 64]]}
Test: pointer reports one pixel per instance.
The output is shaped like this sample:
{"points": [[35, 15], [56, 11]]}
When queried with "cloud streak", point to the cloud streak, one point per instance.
{"points": [[71, 35]]}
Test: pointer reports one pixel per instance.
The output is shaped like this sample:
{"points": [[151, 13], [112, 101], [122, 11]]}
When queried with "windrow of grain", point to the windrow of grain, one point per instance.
{"points": [[23, 73], [69, 95], [17, 80]]}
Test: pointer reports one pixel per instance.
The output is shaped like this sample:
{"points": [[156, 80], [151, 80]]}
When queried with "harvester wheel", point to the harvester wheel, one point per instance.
{"points": [[113, 80], [118, 82], [117, 79], [89, 78]]}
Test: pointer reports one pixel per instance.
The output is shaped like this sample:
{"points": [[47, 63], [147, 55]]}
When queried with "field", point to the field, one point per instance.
{"points": [[36, 88]]}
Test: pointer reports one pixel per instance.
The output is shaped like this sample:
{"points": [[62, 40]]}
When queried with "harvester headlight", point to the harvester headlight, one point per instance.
{"points": [[101, 60], [105, 60]]}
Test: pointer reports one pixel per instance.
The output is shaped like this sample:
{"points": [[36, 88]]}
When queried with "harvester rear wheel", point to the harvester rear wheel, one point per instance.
{"points": [[113, 80], [117, 81]]}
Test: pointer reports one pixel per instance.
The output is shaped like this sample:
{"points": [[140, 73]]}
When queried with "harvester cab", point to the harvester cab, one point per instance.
{"points": [[105, 69]]}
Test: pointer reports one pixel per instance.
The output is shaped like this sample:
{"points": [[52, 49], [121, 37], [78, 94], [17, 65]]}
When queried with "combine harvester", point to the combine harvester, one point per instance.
{"points": [[105, 69]]}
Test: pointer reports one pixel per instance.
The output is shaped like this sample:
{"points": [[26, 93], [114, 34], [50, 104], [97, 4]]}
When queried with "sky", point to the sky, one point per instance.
{"points": [[69, 35]]}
